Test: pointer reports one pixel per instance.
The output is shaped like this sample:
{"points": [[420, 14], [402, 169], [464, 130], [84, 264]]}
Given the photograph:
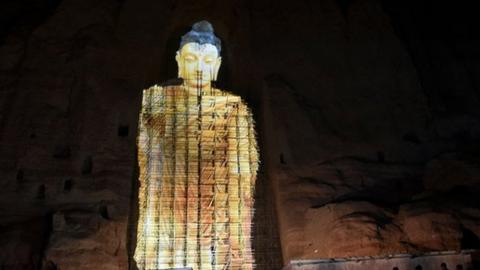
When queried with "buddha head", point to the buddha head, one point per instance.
{"points": [[198, 57]]}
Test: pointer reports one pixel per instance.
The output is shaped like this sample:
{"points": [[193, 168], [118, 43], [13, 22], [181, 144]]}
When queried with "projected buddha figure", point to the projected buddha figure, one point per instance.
{"points": [[198, 159]]}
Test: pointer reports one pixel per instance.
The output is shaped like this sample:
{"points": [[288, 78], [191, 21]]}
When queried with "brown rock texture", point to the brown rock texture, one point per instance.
{"points": [[367, 114]]}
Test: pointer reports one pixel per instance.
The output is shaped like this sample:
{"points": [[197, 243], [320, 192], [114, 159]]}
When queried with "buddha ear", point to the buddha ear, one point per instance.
{"points": [[216, 68], [179, 64]]}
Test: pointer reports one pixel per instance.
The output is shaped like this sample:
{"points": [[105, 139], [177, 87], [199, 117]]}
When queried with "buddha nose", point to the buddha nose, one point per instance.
{"points": [[200, 66]]}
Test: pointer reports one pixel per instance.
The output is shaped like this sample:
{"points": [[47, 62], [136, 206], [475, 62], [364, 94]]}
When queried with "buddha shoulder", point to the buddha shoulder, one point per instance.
{"points": [[233, 99], [153, 90], [159, 89]]}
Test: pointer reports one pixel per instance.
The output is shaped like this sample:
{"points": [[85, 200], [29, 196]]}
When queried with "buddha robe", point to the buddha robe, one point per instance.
{"points": [[197, 155]]}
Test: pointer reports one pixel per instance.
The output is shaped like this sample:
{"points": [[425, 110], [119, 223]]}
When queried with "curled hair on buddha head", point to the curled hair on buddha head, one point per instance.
{"points": [[201, 33]]}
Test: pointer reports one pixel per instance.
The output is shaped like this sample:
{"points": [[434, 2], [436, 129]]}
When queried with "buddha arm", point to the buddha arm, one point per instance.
{"points": [[151, 129], [242, 167], [242, 144], [248, 152]]}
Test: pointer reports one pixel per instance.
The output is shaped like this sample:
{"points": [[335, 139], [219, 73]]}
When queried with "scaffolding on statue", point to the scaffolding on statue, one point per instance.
{"points": [[198, 160]]}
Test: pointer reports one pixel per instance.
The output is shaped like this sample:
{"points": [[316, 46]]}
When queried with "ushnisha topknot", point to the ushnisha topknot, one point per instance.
{"points": [[201, 33]]}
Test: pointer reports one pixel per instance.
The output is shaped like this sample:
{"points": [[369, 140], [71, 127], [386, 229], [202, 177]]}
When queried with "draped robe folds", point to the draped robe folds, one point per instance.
{"points": [[198, 159]]}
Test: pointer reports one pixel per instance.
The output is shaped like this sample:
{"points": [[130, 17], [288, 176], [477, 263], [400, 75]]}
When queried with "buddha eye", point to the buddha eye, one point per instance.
{"points": [[189, 58]]}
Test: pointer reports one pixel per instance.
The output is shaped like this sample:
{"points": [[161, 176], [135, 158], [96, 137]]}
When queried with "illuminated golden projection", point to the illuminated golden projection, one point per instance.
{"points": [[198, 159]]}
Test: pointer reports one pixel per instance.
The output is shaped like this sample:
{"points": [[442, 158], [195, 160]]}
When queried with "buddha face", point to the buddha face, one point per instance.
{"points": [[198, 64]]}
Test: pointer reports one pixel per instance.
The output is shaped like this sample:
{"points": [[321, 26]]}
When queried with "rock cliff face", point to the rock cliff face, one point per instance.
{"points": [[367, 114]]}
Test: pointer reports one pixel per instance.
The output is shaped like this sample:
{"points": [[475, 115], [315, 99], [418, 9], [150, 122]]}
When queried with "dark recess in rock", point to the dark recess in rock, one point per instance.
{"points": [[282, 159], [381, 157], [469, 239], [87, 165], [62, 152], [41, 192], [20, 175], [411, 137], [50, 266], [103, 210], [67, 185]]}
